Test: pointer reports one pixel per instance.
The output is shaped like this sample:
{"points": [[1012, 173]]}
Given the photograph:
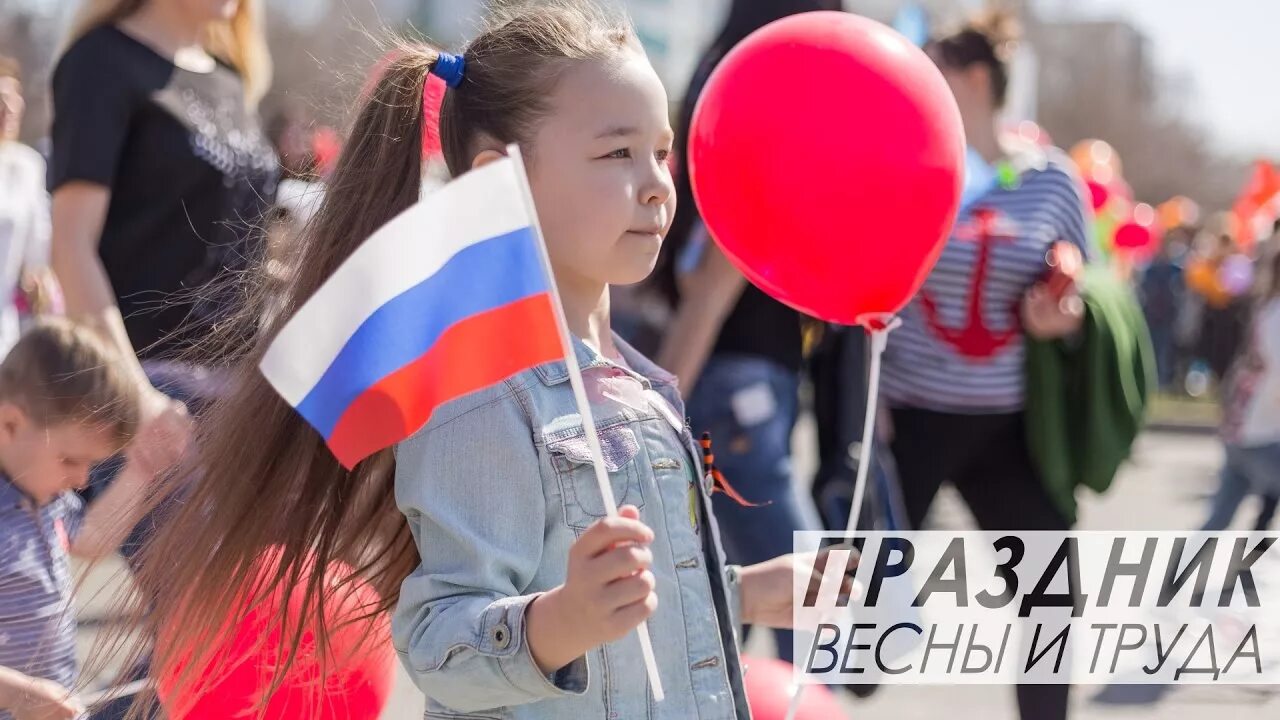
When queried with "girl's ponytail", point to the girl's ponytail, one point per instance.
{"points": [[258, 476]]}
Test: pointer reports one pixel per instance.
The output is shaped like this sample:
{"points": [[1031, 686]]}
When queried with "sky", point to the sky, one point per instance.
{"points": [[1229, 50]]}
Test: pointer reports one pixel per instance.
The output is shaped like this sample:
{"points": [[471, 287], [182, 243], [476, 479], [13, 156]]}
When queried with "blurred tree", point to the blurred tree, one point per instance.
{"points": [[1097, 79]]}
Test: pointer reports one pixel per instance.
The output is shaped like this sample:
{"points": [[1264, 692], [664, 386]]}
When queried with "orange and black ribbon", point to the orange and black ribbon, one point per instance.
{"points": [[718, 481]]}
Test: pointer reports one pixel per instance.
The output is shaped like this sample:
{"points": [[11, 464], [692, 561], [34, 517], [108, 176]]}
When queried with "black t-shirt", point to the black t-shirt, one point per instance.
{"points": [[190, 174], [763, 327]]}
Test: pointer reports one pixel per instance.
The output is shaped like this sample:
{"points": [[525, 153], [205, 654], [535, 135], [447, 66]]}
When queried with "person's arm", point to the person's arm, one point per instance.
{"points": [[468, 629], [28, 698], [768, 588], [1044, 315], [108, 520], [37, 280], [79, 212], [709, 295]]}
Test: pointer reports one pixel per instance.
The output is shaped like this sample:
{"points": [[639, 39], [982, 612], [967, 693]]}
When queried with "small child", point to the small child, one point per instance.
{"points": [[66, 404]]}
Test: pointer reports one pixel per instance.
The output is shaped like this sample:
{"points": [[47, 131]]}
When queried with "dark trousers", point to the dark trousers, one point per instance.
{"points": [[986, 458], [753, 449]]}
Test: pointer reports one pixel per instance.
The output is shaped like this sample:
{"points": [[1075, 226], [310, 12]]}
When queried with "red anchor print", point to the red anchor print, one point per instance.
{"points": [[975, 339]]}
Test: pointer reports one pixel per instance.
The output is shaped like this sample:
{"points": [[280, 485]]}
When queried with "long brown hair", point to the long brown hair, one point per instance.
{"points": [[262, 477], [240, 42]]}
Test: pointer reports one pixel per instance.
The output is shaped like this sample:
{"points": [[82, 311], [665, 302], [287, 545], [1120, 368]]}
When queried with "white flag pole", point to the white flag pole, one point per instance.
{"points": [[878, 329], [584, 407]]}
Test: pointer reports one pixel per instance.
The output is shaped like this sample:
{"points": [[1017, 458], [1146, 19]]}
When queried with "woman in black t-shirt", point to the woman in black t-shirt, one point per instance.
{"points": [[159, 170]]}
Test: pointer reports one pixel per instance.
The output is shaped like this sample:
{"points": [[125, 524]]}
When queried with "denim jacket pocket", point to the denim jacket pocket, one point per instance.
{"points": [[571, 458]]}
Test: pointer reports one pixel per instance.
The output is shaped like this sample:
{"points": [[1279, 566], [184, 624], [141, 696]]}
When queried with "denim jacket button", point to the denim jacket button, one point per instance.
{"points": [[501, 636], [707, 663], [708, 483]]}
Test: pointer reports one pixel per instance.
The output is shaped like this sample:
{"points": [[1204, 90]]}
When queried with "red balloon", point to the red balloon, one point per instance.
{"points": [[353, 683], [1099, 194], [768, 684], [1134, 236], [826, 156]]}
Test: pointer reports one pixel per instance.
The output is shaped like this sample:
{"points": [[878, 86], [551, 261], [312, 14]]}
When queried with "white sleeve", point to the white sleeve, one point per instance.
{"points": [[35, 251]]}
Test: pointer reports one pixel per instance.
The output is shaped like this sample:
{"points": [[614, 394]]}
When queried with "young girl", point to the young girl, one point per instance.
{"points": [[513, 597]]}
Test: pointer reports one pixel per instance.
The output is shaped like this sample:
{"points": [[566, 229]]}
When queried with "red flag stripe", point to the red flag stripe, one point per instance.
{"points": [[473, 354]]}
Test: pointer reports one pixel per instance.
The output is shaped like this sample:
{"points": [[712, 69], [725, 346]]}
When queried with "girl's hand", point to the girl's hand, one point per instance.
{"points": [[41, 699], [768, 596], [1048, 317], [608, 591]]}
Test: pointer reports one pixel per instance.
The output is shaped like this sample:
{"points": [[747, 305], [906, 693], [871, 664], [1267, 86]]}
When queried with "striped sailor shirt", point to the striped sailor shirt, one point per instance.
{"points": [[37, 619], [960, 348]]}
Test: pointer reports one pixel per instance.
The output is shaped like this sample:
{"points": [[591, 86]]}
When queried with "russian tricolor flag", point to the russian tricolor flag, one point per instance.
{"points": [[449, 297]]}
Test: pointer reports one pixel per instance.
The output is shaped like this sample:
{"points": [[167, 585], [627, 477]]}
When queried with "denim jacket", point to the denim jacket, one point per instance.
{"points": [[497, 487]]}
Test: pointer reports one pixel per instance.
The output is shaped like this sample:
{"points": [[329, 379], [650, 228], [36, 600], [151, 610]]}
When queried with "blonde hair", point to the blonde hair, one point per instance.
{"points": [[62, 373], [240, 42]]}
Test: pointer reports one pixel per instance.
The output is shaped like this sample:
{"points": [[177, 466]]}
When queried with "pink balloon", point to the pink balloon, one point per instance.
{"points": [[768, 684]]}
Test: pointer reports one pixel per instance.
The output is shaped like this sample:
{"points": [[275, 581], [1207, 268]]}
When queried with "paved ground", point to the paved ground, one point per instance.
{"points": [[1165, 487]]}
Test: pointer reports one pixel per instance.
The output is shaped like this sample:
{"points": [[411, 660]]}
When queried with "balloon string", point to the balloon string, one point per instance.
{"points": [[879, 334], [878, 328]]}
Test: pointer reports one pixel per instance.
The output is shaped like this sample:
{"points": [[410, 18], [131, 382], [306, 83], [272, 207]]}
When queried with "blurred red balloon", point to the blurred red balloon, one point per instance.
{"points": [[1099, 194], [768, 684], [836, 195], [352, 683], [1140, 235], [1132, 236]]}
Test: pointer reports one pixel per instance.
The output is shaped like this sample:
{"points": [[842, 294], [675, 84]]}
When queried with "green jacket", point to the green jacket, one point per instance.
{"points": [[1086, 398]]}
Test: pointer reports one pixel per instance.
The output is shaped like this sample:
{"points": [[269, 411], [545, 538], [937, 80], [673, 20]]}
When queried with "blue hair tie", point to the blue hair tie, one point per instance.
{"points": [[450, 68]]}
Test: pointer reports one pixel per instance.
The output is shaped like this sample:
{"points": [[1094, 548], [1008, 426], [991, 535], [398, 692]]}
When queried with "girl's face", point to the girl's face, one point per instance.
{"points": [[599, 175]]}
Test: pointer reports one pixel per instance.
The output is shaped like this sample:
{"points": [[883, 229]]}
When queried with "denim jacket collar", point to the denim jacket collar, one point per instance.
{"points": [[557, 372]]}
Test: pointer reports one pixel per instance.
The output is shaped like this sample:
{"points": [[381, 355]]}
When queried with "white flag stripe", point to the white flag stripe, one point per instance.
{"points": [[479, 205]]}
